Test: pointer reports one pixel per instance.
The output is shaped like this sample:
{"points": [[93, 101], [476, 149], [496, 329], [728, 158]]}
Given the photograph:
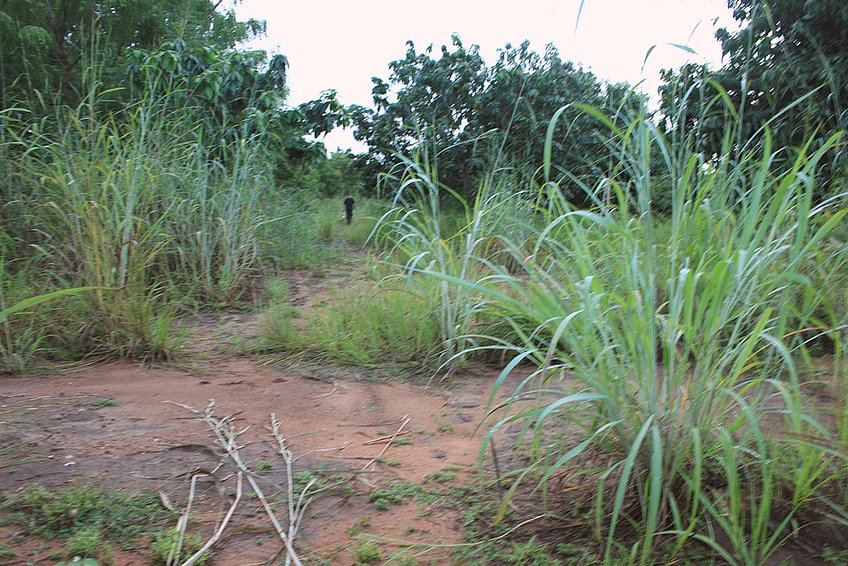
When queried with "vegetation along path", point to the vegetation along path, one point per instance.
{"points": [[381, 450]]}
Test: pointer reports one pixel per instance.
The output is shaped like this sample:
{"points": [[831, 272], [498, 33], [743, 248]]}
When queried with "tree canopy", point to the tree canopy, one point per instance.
{"points": [[787, 66], [470, 115], [47, 44]]}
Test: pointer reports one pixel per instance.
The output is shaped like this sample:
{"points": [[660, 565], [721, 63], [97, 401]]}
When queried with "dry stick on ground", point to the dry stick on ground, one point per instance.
{"points": [[196, 556], [296, 510], [389, 441], [385, 438], [182, 522], [227, 437]]}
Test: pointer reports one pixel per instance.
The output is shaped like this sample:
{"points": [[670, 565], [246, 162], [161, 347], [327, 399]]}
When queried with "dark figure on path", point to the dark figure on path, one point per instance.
{"points": [[348, 204]]}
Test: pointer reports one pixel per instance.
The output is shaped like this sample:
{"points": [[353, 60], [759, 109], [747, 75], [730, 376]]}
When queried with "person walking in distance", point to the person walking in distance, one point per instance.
{"points": [[348, 204]]}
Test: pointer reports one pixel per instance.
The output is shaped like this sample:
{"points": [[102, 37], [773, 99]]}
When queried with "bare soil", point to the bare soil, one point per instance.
{"points": [[121, 426]]}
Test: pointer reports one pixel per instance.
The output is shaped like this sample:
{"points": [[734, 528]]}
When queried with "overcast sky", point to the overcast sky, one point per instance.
{"points": [[341, 44]]}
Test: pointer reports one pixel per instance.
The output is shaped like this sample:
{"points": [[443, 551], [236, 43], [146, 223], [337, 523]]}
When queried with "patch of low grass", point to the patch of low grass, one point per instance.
{"points": [[442, 476], [375, 325], [102, 402], [278, 331], [396, 492], [368, 552], [6, 551], [358, 527], [165, 542], [78, 512], [89, 542]]}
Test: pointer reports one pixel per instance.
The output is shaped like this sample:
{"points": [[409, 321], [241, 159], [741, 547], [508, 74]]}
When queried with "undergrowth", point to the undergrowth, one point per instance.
{"points": [[87, 518]]}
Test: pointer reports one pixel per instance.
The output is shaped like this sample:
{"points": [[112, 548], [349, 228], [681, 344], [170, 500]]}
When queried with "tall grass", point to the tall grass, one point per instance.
{"points": [[364, 324], [680, 337], [420, 233], [142, 204]]}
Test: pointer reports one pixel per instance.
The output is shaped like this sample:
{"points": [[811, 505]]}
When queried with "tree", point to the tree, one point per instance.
{"points": [[787, 65], [470, 116], [427, 103], [45, 44], [236, 93], [523, 92]]}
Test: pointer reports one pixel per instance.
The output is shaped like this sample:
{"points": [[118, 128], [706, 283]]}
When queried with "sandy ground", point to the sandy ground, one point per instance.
{"points": [[57, 430], [121, 426]]}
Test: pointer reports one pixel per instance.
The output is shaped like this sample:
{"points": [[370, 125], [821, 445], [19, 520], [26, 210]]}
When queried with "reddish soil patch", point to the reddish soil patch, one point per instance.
{"points": [[65, 435], [119, 426]]}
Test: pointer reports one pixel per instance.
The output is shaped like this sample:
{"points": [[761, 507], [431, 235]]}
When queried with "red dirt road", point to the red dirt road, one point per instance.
{"points": [[60, 431]]}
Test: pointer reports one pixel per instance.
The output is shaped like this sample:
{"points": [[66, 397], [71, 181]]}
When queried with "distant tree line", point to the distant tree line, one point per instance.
{"points": [[470, 117], [109, 55], [786, 68]]}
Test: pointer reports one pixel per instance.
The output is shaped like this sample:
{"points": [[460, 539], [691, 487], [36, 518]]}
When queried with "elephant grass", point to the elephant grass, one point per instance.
{"points": [[671, 343]]}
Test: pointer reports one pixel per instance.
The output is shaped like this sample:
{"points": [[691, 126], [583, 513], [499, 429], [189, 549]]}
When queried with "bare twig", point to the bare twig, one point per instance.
{"points": [[182, 523], [295, 509], [196, 556], [388, 437], [389, 441], [227, 437]]}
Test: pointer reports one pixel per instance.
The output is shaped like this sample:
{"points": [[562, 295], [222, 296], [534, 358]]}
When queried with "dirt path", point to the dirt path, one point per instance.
{"points": [[119, 426]]}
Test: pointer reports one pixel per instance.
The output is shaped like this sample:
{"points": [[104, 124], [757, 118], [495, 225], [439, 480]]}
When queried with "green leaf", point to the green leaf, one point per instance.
{"points": [[32, 301]]}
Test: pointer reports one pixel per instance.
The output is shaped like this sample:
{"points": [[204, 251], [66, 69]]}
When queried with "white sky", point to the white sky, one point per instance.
{"points": [[341, 44]]}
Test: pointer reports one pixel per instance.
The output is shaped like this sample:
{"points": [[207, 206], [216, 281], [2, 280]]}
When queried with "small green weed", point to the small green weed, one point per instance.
{"points": [[442, 476], [265, 465], [835, 556], [65, 513], [85, 542], [531, 553], [401, 441], [574, 554], [164, 541], [368, 552], [394, 494], [79, 561], [360, 525], [400, 560], [102, 402], [6, 551]]}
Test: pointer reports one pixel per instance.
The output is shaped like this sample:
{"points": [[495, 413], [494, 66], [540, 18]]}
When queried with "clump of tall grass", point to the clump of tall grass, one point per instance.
{"points": [[143, 205], [278, 330], [457, 240], [680, 337], [374, 325], [368, 324]]}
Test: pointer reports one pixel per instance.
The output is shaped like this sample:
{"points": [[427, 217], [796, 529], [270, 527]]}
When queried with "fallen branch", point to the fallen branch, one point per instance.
{"points": [[389, 441], [389, 437], [196, 556], [227, 437]]}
